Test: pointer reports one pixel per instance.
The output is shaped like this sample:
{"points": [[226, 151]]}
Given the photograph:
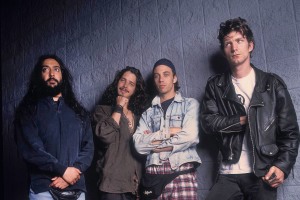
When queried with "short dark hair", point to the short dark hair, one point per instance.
{"points": [[237, 24], [137, 100], [36, 91]]}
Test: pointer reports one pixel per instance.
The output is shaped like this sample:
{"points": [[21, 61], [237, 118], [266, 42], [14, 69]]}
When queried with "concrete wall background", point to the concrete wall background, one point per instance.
{"points": [[96, 38]]}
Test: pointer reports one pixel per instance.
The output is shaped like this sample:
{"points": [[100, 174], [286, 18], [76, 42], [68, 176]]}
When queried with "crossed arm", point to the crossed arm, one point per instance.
{"points": [[172, 131], [147, 141]]}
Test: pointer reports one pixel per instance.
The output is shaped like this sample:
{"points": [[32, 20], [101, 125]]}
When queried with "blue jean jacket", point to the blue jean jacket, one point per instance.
{"points": [[181, 113]]}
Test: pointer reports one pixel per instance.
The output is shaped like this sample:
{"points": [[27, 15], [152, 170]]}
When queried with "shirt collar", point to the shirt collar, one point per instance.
{"points": [[177, 98]]}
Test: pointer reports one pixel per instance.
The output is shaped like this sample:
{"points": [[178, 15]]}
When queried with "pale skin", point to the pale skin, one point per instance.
{"points": [[51, 72], [237, 50]]}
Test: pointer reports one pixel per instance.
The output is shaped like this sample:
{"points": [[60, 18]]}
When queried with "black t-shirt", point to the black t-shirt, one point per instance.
{"points": [[166, 104]]}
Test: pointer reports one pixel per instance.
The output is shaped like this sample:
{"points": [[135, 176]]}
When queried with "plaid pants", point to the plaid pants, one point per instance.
{"points": [[183, 187]]}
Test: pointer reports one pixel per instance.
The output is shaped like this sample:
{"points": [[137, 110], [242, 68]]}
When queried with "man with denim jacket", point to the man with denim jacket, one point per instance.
{"points": [[251, 115], [168, 134], [53, 133]]}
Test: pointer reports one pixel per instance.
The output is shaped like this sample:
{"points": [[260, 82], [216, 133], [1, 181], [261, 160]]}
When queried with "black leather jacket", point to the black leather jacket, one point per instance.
{"points": [[272, 122]]}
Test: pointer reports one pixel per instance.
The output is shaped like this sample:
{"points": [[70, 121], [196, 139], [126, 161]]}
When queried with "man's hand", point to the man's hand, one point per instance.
{"points": [[122, 101], [71, 175], [274, 177], [164, 149], [243, 120], [169, 133], [58, 182], [156, 142], [174, 130]]}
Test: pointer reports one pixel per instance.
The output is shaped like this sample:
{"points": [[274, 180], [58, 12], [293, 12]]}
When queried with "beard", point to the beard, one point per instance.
{"points": [[47, 90]]}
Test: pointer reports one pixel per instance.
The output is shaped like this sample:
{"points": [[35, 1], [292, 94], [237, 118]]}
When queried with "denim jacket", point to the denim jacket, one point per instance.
{"points": [[182, 113]]}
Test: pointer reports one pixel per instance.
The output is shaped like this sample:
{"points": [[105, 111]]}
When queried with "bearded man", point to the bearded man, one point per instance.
{"points": [[53, 133]]}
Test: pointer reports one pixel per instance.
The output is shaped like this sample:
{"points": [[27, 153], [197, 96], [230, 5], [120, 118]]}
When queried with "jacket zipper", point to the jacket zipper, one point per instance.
{"points": [[253, 166], [222, 131], [230, 146], [269, 125]]}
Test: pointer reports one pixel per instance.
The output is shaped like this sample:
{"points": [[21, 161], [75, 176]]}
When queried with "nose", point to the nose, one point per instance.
{"points": [[125, 84], [161, 79], [234, 47], [51, 73]]}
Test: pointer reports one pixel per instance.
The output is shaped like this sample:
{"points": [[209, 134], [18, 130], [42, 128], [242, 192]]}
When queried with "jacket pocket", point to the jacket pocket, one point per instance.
{"points": [[269, 150], [176, 121], [155, 123]]}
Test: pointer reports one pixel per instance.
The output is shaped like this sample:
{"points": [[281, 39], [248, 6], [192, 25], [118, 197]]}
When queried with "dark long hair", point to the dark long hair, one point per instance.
{"points": [[36, 89], [137, 100], [239, 25]]}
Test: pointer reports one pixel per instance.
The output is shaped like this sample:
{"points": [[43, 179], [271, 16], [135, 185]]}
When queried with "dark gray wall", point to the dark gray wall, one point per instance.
{"points": [[96, 38]]}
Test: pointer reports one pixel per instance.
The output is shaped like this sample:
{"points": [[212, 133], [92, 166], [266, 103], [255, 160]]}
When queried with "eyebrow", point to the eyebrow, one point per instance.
{"points": [[57, 66], [132, 82], [127, 80]]}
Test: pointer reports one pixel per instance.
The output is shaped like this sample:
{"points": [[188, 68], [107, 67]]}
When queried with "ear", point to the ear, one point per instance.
{"points": [[174, 79], [251, 46]]}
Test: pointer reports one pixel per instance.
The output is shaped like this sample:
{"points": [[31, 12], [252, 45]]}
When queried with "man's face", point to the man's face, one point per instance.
{"points": [[51, 72], [237, 49], [164, 79], [127, 85]]}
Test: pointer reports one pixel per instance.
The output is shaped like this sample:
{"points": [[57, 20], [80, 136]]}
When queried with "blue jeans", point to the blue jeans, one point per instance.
{"points": [[47, 196], [241, 187]]}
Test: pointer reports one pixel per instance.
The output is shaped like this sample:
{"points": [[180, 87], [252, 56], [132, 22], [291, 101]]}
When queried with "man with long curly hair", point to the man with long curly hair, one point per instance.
{"points": [[53, 133], [115, 122]]}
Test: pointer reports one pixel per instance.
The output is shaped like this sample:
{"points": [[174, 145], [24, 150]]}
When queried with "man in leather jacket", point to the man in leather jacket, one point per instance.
{"points": [[252, 117]]}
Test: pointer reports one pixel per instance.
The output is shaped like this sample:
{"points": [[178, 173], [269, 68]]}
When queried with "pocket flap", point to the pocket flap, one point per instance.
{"points": [[269, 150], [176, 117]]}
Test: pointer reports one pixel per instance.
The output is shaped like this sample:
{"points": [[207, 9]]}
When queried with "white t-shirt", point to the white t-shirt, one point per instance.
{"points": [[244, 89]]}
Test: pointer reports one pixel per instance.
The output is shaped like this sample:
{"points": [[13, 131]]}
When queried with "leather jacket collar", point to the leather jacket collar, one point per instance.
{"points": [[262, 84]]}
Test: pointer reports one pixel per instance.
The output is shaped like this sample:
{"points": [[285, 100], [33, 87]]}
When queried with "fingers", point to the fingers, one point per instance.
{"points": [[71, 175], [75, 180], [243, 120], [78, 171], [269, 174], [122, 101], [274, 177], [164, 149], [156, 142], [58, 182], [174, 130]]}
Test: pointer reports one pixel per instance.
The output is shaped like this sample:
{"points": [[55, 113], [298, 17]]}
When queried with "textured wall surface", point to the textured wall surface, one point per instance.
{"points": [[96, 38]]}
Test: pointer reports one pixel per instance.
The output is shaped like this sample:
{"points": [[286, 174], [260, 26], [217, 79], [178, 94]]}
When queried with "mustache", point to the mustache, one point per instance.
{"points": [[53, 79], [123, 88]]}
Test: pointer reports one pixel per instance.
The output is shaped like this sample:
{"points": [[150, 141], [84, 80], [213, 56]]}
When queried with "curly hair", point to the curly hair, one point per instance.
{"points": [[237, 24], [36, 89], [137, 100]]}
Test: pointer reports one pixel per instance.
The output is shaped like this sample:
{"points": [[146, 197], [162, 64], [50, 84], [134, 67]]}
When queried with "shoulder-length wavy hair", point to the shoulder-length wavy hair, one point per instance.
{"points": [[36, 90], [137, 100]]}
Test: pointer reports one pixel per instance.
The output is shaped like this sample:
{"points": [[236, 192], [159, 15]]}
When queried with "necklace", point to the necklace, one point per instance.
{"points": [[130, 122]]}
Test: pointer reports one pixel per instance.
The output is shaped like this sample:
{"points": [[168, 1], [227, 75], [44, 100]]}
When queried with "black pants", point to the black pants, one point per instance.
{"points": [[114, 196], [241, 187]]}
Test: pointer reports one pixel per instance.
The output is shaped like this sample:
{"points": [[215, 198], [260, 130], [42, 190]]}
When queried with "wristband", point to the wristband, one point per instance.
{"points": [[118, 109]]}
